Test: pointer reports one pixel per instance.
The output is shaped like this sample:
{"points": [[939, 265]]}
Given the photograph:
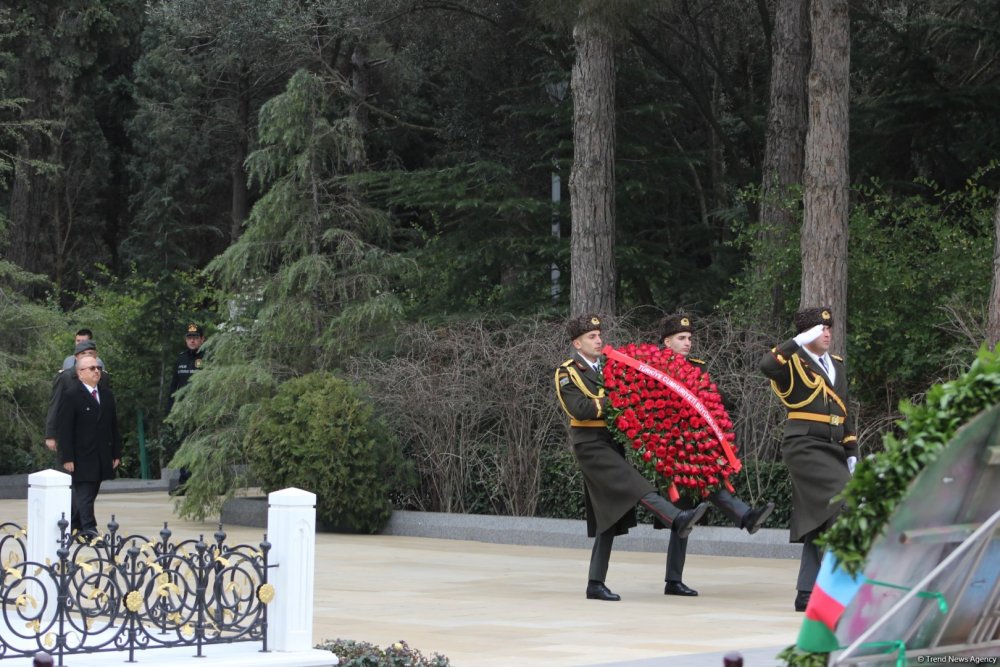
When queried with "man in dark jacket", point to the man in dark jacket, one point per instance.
{"points": [[676, 333], [819, 445], [88, 440], [612, 487], [66, 379], [188, 362]]}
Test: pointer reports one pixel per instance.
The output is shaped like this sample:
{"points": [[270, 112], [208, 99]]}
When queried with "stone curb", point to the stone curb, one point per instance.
{"points": [[15, 487], [533, 531]]}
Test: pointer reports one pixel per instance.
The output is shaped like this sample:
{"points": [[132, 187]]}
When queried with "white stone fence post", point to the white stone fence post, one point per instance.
{"points": [[48, 501], [291, 530]]}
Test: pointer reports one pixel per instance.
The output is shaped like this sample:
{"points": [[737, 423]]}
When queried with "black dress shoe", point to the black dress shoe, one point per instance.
{"points": [[802, 600], [88, 537], [679, 588], [756, 517], [596, 590], [686, 520]]}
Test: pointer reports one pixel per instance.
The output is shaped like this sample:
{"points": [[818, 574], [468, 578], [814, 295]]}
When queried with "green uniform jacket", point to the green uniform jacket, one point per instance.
{"points": [[819, 434], [612, 487]]}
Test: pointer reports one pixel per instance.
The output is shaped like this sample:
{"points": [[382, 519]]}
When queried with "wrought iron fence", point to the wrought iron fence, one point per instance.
{"points": [[128, 593]]}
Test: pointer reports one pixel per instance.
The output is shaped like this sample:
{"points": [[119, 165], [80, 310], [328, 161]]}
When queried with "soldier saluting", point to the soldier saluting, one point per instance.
{"points": [[612, 487], [819, 445]]}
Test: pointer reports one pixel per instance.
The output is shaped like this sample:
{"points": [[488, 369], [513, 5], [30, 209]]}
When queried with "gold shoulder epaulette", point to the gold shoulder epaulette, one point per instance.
{"points": [[566, 364], [838, 358], [700, 362]]}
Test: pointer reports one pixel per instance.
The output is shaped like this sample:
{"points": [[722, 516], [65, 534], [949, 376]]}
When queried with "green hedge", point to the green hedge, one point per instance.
{"points": [[362, 654], [318, 433]]}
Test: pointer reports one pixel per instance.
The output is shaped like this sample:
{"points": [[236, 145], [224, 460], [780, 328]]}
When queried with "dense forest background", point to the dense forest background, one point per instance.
{"points": [[381, 189]]}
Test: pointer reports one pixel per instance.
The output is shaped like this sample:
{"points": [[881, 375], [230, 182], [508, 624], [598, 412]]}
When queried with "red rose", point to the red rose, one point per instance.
{"points": [[670, 440]]}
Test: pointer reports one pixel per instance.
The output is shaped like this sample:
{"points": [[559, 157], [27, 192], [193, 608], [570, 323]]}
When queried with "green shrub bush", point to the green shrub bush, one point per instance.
{"points": [[361, 654], [318, 433], [561, 493]]}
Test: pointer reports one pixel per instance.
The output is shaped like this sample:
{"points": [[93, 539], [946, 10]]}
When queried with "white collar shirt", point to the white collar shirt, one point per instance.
{"points": [[596, 365], [826, 363], [91, 390]]}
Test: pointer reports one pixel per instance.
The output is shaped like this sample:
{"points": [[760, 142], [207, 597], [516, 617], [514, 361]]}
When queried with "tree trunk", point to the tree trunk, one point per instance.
{"points": [[993, 315], [240, 203], [592, 181], [824, 229], [784, 146], [360, 91]]}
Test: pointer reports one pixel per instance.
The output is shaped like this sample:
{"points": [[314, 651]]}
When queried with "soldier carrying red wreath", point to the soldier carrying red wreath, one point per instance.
{"points": [[612, 486], [676, 334]]}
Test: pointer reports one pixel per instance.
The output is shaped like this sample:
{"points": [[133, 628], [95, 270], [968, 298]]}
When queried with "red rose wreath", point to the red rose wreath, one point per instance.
{"points": [[668, 413]]}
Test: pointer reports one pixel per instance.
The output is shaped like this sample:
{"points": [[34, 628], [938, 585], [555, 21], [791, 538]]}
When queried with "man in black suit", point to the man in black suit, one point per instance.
{"points": [[612, 486], [66, 379], [89, 442]]}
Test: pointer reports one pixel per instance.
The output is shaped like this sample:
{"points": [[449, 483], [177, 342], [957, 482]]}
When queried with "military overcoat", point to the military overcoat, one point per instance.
{"points": [[818, 435], [612, 487]]}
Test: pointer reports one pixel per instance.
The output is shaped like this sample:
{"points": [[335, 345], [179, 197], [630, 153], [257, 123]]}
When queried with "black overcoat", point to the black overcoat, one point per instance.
{"points": [[88, 433], [66, 380]]}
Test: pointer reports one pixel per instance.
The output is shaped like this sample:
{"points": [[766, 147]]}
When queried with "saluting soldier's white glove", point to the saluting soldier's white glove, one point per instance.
{"points": [[809, 335], [852, 461]]}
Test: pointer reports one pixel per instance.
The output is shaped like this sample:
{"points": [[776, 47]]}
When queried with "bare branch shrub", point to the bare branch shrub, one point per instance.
{"points": [[474, 405], [427, 394]]}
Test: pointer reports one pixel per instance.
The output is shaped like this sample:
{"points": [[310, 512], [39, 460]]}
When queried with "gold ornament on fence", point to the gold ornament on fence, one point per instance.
{"points": [[265, 593], [133, 601]]}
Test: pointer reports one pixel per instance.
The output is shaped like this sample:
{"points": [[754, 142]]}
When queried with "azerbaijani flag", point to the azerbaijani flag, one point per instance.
{"points": [[833, 591]]}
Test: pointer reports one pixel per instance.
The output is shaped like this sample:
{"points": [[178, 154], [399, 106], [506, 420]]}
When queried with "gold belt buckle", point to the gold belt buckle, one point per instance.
{"points": [[835, 420]]}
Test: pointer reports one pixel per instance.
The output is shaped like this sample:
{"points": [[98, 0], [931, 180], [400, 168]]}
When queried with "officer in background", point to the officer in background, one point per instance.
{"points": [[819, 445], [676, 334], [612, 486], [188, 363]]}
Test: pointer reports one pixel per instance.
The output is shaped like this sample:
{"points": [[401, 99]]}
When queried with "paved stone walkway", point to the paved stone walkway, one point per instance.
{"points": [[492, 605]]}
